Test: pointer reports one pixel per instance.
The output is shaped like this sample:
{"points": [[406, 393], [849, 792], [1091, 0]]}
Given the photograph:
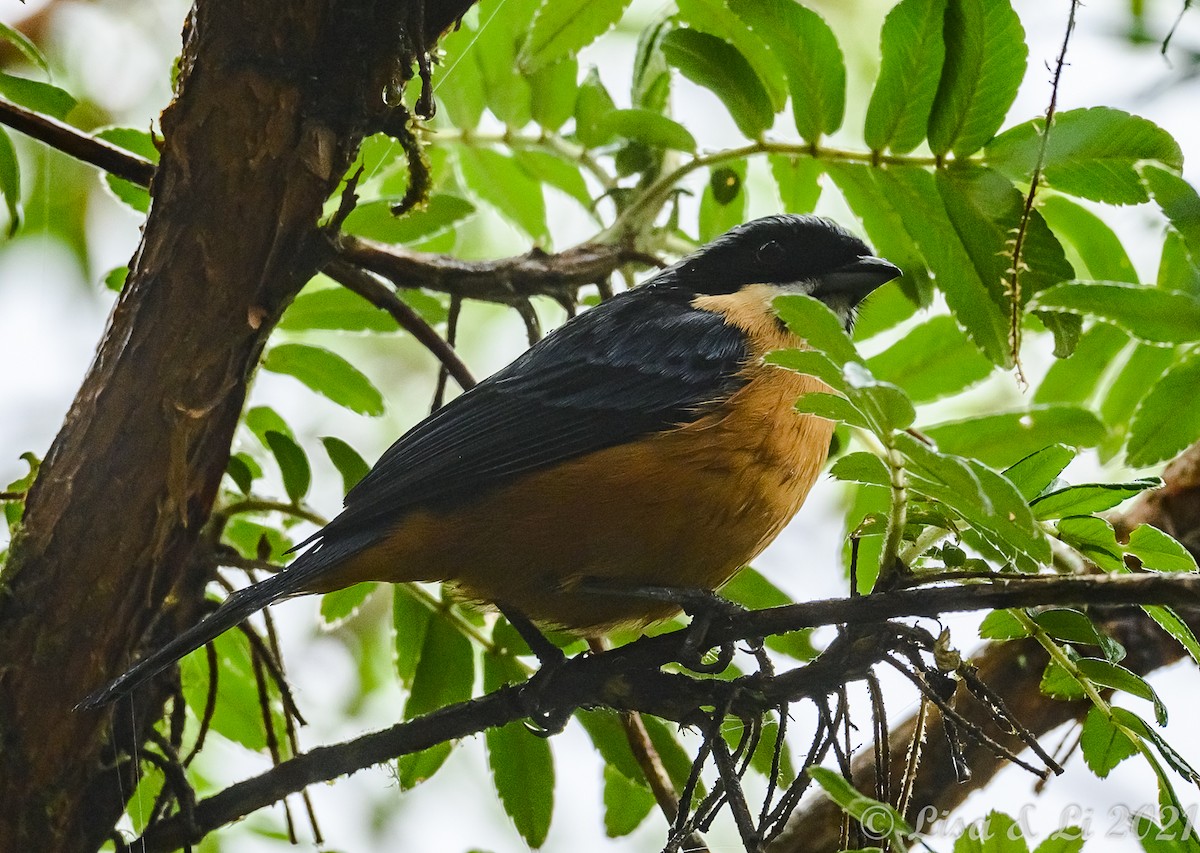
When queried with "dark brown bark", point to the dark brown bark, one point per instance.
{"points": [[273, 101], [1015, 669]]}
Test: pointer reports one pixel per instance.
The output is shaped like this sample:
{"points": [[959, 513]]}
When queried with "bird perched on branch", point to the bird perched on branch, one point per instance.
{"points": [[643, 445]]}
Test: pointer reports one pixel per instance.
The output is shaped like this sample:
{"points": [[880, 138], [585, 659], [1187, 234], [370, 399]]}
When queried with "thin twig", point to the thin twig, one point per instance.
{"points": [[378, 294], [1014, 282]]}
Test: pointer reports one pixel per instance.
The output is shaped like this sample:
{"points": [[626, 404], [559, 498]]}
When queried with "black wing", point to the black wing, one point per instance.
{"points": [[642, 362]]}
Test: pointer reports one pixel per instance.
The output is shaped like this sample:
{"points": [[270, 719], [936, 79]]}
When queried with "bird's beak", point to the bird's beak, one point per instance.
{"points": [[861, 277]]}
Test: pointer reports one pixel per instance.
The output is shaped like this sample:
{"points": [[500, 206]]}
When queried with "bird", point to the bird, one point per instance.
{"points": [[644, 444]]}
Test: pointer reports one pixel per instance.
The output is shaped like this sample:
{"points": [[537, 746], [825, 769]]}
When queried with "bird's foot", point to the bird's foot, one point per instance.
{"points": [[543, 721]]}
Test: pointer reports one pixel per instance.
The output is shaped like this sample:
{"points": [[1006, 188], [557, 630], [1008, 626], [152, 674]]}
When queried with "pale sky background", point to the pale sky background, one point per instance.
{"points": [[51, 319]]}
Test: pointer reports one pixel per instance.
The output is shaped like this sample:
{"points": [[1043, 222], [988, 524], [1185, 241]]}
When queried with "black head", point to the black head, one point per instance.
{"points": [[797, 254]]}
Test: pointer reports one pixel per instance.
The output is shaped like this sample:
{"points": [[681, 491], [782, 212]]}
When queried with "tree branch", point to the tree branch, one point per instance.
{"points": [[630, 678], [509, 280], [74, 142]]}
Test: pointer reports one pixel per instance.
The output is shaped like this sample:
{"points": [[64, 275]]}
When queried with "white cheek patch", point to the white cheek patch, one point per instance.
{"points": [[804, 286]]}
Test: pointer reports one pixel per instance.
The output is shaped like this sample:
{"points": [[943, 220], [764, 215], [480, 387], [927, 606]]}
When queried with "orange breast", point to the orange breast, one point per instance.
{"points": [[683, 508]]}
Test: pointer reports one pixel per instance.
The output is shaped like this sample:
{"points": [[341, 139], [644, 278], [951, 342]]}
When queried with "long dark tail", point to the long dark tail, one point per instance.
{"points": [[242, 604]]}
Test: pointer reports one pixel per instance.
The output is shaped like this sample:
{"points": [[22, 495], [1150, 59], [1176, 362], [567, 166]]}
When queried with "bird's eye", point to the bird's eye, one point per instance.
{"points": [[770, 253]]}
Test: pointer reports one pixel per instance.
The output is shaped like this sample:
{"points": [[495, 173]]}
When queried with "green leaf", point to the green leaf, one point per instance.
{"points": [[416, 767], [991, 504], [293, 464], [1161, 426], [812, 321], [984, 66], [445, 671], [1092, 153], [553, 92], [651, 85], [1067, 839], [334, 308], [1142, 370], [497, 179], [1103, 744], [10, 182], [723, 204], [1002, 625], [115, 278], [1057, 683], [263, 419], [1094, 249], [338, 606], [256, 541], [557, 173], [24, 46], [37, 96], [1074, 379], [1034, 474], [985, 210], [236, 714], [138, 142], [591, 107], [810, 363], [1132, 721], [1073, 626], [328, 374], [831, 407], [931, 361], [979, 305], [1159, 551], [1148, 313], [607, 735], [887, 407], [520, 761], [719, 67], [879, 819], [1090, 498], [808, 51], [240, 472], [1178, 200], [1170, 622], [1095, 539], [1178, 268], [717, 19], [461, 90], [996, 833], [912, 50], [1119, 678], [375, 220], [345, 458], [798, 181], [626, 803], [861, 467], [410, 619], [561, 29], [874, 196], [1000, 439], [495, 50], [649, 128], [1013, 520]]}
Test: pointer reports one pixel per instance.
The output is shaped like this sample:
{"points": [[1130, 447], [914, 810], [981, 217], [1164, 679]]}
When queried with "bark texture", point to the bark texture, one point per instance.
{"points": [[272, 103]]}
